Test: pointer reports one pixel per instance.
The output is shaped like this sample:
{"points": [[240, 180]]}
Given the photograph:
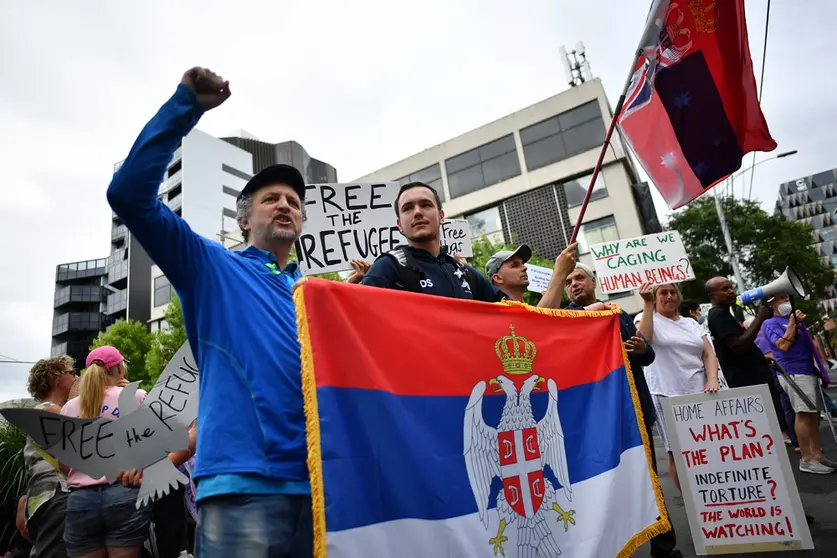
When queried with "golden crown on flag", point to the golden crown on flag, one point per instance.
{"points": [[705, 14], [516, 353]]}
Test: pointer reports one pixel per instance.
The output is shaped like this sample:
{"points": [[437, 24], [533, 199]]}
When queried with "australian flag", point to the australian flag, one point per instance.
{"points": [[691, 110]]}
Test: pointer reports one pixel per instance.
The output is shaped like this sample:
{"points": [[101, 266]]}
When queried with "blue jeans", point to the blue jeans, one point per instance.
{"points": [[104, 516], [255, 525]]}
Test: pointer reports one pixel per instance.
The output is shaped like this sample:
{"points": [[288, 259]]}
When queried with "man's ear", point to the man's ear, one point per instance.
{"points": [[496, 279], [441, 215], [398, 224]]}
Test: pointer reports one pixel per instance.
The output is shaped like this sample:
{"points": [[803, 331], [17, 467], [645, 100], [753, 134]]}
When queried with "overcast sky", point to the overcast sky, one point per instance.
{"points": [[360, 84]]}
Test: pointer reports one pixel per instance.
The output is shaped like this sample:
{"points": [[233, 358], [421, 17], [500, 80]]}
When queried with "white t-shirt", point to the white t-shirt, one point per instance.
{"points": [[678, 366]]}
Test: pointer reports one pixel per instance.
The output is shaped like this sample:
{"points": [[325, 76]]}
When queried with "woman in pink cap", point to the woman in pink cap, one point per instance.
{"points": [[102, 519]]}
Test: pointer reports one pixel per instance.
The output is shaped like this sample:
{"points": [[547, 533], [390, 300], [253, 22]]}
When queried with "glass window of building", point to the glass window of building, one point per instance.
{"points": [[162, 291], [484, 166], [575, 190], [487, 223], [593, 232], [816, 194], [827, 233], [432, 176], [560, 137], [823, 179]]}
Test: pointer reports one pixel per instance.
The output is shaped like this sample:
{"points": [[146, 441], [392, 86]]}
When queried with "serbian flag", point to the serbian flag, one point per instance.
{"points": [[691, 109], [447, 428]]}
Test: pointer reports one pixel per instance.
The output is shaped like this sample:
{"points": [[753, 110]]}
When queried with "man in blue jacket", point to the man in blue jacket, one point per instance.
{"points": [[253, 490]]}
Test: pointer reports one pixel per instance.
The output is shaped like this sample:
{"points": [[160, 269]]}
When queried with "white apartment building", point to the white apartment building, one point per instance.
{"points": [[200, 184], [522, 178]]}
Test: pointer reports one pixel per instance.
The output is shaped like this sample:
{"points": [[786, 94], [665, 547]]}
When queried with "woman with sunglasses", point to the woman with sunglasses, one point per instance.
{"points": [[50, 383]]}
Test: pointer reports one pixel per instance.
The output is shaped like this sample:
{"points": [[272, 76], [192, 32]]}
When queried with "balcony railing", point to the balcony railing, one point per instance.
{"points": [[78, 293], [117, 302], [118, 232], [77, 321], [176, 202], [171, 182]]}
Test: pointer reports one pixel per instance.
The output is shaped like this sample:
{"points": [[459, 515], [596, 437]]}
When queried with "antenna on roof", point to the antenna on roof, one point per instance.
{"points": [[576, 65]]}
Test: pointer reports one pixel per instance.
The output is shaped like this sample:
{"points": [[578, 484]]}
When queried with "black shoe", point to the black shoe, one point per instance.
{"points": [[809, 518], [673, 554]]}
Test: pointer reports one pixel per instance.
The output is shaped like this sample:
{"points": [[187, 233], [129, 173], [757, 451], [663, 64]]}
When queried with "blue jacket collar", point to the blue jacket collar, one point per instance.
{"points": [[268, 257]]}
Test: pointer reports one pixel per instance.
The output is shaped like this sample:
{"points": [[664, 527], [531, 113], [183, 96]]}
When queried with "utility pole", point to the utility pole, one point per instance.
{"points": [[733, 258]]}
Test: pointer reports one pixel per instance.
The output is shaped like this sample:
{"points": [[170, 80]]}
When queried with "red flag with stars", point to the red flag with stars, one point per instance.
{"points": [[691, 111]]}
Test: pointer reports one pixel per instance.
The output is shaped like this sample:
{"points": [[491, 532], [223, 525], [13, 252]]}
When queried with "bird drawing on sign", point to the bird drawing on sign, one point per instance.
{"points": [[140, 438]]}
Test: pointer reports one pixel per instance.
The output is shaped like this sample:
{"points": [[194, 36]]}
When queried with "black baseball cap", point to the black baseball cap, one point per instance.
{"points": [[276, 174]]}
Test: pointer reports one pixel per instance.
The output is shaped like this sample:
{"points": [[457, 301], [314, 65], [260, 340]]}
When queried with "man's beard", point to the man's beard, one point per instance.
{"points": [[418, 239], [271, 234]]}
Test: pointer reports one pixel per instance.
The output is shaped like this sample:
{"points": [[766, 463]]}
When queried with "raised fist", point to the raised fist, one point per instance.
{"points": [[210, 88]]}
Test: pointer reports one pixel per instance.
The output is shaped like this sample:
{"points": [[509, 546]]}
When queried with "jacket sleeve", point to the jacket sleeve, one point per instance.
{"points": [[485, 291], [382, 273], [629, 330], [179, 252]]}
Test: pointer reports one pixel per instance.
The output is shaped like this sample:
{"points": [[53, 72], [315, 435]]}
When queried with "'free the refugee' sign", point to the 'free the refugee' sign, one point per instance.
{"points": [[346, 222], [625, 264]]}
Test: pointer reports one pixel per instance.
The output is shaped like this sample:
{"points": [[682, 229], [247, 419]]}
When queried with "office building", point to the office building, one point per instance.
{"points": [[201, 184], [813, 200], [289, 153], [523, 177], [78, 307]]}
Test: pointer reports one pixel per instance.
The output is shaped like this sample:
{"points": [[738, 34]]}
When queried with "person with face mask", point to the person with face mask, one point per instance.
{"points": [[793, 348]]}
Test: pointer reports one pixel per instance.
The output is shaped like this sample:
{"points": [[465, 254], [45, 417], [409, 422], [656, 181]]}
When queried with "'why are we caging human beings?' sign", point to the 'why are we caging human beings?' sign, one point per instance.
{"points": [[737, 484], [346, 222], [625, 264]]}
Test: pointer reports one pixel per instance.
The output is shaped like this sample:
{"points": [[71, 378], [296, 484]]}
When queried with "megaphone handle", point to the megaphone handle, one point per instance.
{"points": [[793, 312]]}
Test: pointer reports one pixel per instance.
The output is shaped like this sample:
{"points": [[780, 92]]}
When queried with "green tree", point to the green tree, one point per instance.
{"points": [[484, 249], [765, 245], [166, 342], [134, 341], [13, 479]]}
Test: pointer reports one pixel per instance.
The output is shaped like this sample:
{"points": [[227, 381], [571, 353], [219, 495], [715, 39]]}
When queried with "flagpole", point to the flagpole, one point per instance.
{"points": [[650, 26]]}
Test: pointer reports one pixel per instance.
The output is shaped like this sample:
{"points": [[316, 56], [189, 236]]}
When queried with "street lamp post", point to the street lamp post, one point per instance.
{"points": [[733, 258]]}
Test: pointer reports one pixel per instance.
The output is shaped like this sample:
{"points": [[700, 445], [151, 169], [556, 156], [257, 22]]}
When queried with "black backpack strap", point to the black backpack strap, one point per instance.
{"points": [[409, 273]]}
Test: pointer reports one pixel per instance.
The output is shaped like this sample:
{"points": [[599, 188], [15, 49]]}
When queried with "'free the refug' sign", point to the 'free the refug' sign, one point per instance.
{"points": [[734, 471], [624, 265], [348, 222]]}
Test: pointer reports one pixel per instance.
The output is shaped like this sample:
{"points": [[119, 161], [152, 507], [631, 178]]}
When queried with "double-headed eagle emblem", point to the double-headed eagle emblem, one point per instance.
{"points": [[517, 451]]}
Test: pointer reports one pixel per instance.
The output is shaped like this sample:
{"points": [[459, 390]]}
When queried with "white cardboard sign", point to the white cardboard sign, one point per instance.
{"points": [[625, 264], [140, 438], [737, 483], [539, 278], [357, 221]]}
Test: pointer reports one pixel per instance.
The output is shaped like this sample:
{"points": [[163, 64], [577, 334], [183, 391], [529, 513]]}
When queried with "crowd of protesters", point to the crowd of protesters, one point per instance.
{"points": [[247, 458]]}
